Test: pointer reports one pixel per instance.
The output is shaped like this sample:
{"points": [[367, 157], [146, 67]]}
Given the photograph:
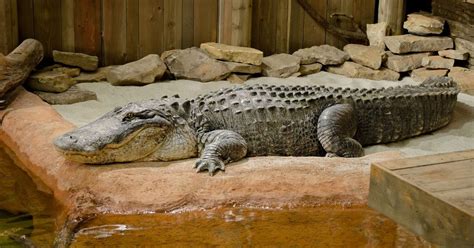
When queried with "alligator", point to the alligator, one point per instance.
{"points": [[257, 120]]}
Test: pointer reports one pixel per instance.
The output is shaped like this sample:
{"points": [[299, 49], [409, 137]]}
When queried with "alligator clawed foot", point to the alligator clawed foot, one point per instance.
{"points": [[209, 164], [331, 155]]}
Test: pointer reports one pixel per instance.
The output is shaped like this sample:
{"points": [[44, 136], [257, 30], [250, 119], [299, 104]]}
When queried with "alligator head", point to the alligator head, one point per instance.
{"points": [[143, 131]]}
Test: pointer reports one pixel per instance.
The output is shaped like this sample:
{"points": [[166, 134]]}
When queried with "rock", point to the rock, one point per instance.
{"points": [[239, 54], [424, 24], [412, 43], [464, 78], [354, 70], [454, 54], [376, 33], [243, 68], [422, 74], [144, 71], [193, 63], [50, 81], [325, 54], [238, 78], [437, 62], [72, 72], [310, 69], [97, 76], [465, 45], [404, 63], [83, 61], [280, 65], [70, 96], [365, 55]]}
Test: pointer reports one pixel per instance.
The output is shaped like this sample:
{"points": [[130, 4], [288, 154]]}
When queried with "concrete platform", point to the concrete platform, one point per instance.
{"points": [[433, 196]]}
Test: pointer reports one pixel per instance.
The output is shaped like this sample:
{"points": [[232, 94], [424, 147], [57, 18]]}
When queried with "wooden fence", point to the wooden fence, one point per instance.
{"points": [[124, 30]]}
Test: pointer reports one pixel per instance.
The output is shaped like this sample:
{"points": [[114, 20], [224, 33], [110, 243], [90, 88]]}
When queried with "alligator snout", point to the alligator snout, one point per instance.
{"points": [[71, 143]]}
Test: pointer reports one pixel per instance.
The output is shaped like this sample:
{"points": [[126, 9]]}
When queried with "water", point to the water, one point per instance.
{"points": [[28, 216]]}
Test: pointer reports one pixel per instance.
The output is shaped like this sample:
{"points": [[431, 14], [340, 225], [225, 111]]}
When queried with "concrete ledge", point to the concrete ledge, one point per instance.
{"points": [[30, 125]]}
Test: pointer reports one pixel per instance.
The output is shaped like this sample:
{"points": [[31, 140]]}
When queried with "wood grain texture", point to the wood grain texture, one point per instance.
{"points": [[241, 22], [187, 39], [334, 7], [313, 32], [114, 28], [47, 21], [393, 13], [296, 32], [430, 195], [67, 27], [151, 23], [281, 27], [205, 21], [225, 21], [173, 17], [26, 27], [132, 33], [87, 27]]}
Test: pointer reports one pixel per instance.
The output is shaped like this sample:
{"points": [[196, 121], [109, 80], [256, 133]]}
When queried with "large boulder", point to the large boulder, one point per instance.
{"points": [[411, 43], [404, 63], [50, 81], [83, 61], [324, 54], [437, 62], [141, 72], [238, 54], [354, 70], [376, 33], [70, 96], [424, 24], [369, 56], [422, 74], [280, 65], [195, 64]]}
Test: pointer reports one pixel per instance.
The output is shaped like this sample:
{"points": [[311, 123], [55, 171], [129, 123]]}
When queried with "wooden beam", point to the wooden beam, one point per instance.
{"points": [[16, 67], [8, 25], [393, 13]]}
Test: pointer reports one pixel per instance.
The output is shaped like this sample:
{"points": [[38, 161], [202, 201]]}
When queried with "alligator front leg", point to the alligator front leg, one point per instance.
{"points": [[218, 148], [336, 127]]}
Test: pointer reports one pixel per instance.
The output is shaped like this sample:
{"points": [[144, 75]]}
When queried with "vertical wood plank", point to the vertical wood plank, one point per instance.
{"points": [[114, 31], [393, 13], [337, 6], [188, 24], [226, 16], [14, 24], [313, 32], [26, 25], [47, 21], [205, 21], [151, 27], [173, 11], [132, 32], [257, 20], [67, 19], [241, 22], [8, 26], [87, 28], [296, 26], [364, 12], [281, 34], [267, 29]]}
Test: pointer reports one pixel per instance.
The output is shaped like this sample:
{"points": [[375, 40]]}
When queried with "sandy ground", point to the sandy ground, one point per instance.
{"points": [[457, 136]]}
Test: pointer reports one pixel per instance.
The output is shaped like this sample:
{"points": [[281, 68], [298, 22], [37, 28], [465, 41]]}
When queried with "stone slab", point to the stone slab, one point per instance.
{"points": [[238, 54], [310, 69], [324, 54], [437, 62], [354, 70], [454, 54], [411, 43], [50, 81], [404, 63], [422, 74], [243, 68], [144, 71], [83, 61], [376, 34], [280, 65], [97, 76], [70, 96], [369, 56], [464, 78], [424, 24]]}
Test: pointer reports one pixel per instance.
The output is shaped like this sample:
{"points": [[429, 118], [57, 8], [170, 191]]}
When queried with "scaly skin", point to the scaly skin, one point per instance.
{"points": [[229, 124]]}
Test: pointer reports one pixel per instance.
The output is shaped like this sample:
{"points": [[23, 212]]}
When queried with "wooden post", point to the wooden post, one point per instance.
{"points": [[235, 19], [393, 13], [8, 25]]}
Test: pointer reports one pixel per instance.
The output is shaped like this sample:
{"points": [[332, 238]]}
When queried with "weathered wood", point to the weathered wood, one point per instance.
{"points": [[16, 66], [297, 18], [47, 16], [460, 17], [281, 32], [393, 13], [314, 32], [26, 27], [187, 39], [173, 11], [67, 27], [225, 22], [133, 46], [241, 22], [151, 27], [8, 25], [114, 31], [87, 29], [433, 196], [205, 21]]}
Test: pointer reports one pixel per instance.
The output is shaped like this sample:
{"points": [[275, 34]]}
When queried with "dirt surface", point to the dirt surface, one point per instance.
{"points": [[29, 127]]}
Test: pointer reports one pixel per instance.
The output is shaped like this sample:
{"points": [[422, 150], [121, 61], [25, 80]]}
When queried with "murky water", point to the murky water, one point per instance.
{"points": [[28, 215]]}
